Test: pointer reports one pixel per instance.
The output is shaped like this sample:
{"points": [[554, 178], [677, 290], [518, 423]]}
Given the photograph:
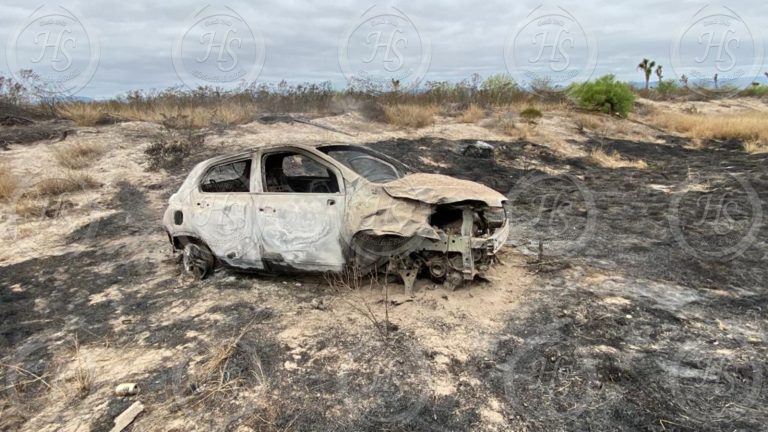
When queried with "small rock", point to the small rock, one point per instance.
{"points": [[318, 304], [479, 150]]}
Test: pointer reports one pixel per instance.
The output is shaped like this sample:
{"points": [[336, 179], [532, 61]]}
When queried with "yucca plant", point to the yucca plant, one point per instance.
{"points": [[647, 67]]}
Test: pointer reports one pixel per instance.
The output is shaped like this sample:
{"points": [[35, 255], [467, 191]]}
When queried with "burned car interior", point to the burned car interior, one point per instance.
{"points": [[297, 173], [332, 208]]}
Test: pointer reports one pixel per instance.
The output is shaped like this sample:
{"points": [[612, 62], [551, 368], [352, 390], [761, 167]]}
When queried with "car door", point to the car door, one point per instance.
{"points": [[224, 213], [300, 211]]}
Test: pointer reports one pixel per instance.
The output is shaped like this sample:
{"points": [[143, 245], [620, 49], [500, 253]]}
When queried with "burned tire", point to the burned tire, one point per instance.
{"points": [[197, 260]]}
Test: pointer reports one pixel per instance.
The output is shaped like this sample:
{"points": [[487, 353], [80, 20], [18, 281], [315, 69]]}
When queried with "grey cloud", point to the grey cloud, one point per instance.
{"points": [[302, 37]]}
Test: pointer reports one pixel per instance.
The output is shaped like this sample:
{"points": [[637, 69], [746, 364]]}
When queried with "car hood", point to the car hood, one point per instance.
{"points": [[440, 189]]}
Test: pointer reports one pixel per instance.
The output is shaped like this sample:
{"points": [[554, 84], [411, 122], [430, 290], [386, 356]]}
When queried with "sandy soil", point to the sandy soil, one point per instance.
{"points": [[646, 311]]}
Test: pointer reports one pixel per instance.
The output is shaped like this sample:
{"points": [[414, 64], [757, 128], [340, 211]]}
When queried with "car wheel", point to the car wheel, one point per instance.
{"points": [[197, 260]]}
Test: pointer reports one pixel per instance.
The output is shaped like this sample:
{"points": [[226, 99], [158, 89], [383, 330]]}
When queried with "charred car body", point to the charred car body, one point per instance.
{"points": [[329, 208]]}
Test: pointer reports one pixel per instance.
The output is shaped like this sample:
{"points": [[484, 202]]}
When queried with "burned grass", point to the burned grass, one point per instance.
{"points": [[627, 331]]}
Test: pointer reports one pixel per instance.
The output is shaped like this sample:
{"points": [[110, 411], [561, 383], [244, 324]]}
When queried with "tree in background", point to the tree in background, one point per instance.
{"points": [[684, 80], [604, 94], [659, 72], [647, 67]]}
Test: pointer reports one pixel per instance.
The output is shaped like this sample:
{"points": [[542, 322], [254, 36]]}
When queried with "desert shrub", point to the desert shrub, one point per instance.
{"points": [[667, 89], [755, 90], [168, 148], [8, 183], [77, 155], [530, 114], [86, 113], [500, 89], [472, 114], [412, 116], [604, 94]]}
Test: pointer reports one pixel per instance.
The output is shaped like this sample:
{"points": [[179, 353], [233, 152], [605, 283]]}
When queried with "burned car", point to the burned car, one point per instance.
{"points": [[332, 208]]}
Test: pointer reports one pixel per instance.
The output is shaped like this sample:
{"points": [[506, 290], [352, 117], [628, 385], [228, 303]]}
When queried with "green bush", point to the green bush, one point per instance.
{"points": [[667, 87], [530, 114], [758, 90], [604, 94]]}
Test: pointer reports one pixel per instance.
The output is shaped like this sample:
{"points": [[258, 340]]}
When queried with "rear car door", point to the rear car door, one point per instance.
{"points": [[300, 211], [224, 213]]}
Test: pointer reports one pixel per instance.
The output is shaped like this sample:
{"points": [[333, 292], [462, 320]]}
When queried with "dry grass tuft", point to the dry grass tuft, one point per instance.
{"points": [[614, 160], [77, 155], [8, 183], [86, 114], [47, 198], [410, 116], [70, 183], [196, 116], [586, 121], [750, 127], [754, 146], [83, 380], [472, 114]]}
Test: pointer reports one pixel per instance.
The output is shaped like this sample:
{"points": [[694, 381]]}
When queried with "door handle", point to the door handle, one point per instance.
{"points": [[331, 202]]}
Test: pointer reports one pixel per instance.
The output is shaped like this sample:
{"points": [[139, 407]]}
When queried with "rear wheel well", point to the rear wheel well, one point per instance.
{"points": [[180, 241]]}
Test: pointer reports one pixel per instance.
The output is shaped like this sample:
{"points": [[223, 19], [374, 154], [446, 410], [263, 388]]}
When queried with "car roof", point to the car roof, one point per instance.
{"points": [[272, 146]]}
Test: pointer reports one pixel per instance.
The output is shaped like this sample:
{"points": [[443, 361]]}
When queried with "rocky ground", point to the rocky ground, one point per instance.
{"points": [[629, 298]]}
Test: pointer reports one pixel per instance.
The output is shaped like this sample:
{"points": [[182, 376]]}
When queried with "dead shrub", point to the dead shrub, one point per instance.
{"points": [[225, 370], [472, 114], [410, 116], [71, 182], [8, 183], [87, 114], [614, 160], [47, 197], [82, 379], [372, 111], [169, 148], [586, 121], [77, 155]]}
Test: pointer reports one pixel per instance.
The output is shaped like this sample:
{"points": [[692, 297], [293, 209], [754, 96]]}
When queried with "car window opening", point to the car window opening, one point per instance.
{"points": [[368, 164], [288, 172], [228, 178]]}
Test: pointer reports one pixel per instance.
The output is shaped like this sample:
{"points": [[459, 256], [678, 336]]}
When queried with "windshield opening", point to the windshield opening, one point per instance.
{"points": [[372, 166]]}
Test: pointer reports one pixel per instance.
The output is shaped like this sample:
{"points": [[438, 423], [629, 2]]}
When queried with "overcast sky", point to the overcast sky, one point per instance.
{"points": [[101, 49]]}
